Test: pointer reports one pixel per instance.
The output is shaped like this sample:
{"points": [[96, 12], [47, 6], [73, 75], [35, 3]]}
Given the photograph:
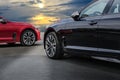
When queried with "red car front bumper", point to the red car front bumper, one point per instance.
{"points": [[37, 35]]}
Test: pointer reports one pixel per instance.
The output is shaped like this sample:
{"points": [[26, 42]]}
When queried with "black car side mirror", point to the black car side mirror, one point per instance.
{"points": [[75, 15], [3, 21]]}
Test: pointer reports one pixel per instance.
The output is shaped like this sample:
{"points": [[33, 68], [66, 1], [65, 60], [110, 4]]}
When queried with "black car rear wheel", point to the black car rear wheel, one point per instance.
{"points": [[28, 38], [53, 46]]}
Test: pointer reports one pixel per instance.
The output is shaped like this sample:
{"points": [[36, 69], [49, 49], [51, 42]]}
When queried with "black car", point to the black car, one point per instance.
{"points": [[92, 31]]}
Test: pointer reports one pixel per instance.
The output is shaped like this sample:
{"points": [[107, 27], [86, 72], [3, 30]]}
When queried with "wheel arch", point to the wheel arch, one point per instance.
{"points": [[48, 31], [25, 30]]}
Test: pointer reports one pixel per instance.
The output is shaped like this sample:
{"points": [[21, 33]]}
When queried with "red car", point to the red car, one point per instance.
{"points": [[12, 32]]}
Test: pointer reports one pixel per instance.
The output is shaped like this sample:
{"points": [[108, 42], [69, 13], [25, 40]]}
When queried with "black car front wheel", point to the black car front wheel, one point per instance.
{"points": [[28, 38], [53, 46]]}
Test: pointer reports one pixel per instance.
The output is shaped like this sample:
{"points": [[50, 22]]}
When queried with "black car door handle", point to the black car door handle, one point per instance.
{"points": [[93, 23]]}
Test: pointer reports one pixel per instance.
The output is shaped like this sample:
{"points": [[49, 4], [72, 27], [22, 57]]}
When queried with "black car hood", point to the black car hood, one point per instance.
{"points": [[63, 21]]}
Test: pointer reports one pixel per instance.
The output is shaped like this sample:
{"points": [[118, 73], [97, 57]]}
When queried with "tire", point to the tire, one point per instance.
{"points": [[53, 46], [28, 38]]}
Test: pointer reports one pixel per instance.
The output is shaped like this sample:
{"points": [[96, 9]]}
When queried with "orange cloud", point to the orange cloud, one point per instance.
{"points": [[42, 19]]}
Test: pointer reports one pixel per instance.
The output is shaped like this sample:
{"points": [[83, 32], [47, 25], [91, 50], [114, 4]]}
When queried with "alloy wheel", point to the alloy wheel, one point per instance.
{"points": [[29, 38], [50, 45]]}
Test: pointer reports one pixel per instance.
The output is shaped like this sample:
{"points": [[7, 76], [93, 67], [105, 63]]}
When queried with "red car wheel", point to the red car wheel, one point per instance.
{"points": [[28, 38]]}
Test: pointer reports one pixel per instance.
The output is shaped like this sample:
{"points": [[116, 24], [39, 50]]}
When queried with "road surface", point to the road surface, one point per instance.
{"points": [[30, 63]]}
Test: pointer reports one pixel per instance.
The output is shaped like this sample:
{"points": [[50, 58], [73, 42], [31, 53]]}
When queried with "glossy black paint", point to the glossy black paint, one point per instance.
{"points": [[94, 36]]}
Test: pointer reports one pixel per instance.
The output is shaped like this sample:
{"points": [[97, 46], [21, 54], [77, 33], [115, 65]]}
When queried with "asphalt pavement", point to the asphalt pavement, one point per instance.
{"points": [[31, 63]]}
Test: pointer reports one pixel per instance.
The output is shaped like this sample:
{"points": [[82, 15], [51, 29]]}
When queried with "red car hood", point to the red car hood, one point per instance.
{"points": [[21, 24]]}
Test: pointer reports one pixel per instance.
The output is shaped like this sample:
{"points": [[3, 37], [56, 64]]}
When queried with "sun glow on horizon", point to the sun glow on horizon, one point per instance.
{"points": [[41, 19]]}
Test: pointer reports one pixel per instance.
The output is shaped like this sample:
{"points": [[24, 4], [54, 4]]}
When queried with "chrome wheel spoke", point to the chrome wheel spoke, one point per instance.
{"points": [[47, 43], [48, 48], [52, 52], [54, 49]]}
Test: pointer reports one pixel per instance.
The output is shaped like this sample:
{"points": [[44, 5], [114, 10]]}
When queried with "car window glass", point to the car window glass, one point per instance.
{"points": [[95, 9], [115, 7]]}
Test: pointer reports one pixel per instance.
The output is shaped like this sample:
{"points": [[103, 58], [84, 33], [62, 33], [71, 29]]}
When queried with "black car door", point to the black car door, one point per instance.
{"points": [[84, 31], [109, 32], [83, 35]]}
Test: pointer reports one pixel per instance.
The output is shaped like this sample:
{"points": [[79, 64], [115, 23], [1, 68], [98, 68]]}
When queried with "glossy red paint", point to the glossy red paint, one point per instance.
{"points": [[11, 31]]}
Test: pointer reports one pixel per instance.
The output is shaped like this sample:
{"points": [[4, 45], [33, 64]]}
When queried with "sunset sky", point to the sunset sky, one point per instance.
{"points": [[39, 12]]}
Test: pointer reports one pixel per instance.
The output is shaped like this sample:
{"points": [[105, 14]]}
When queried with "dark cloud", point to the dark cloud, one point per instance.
{"points": [[22, 5], [4, 8], [22, 12], [34, 2], [73, 5], [76, 3], [1, 13], [31, 2], [15, 2]]}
